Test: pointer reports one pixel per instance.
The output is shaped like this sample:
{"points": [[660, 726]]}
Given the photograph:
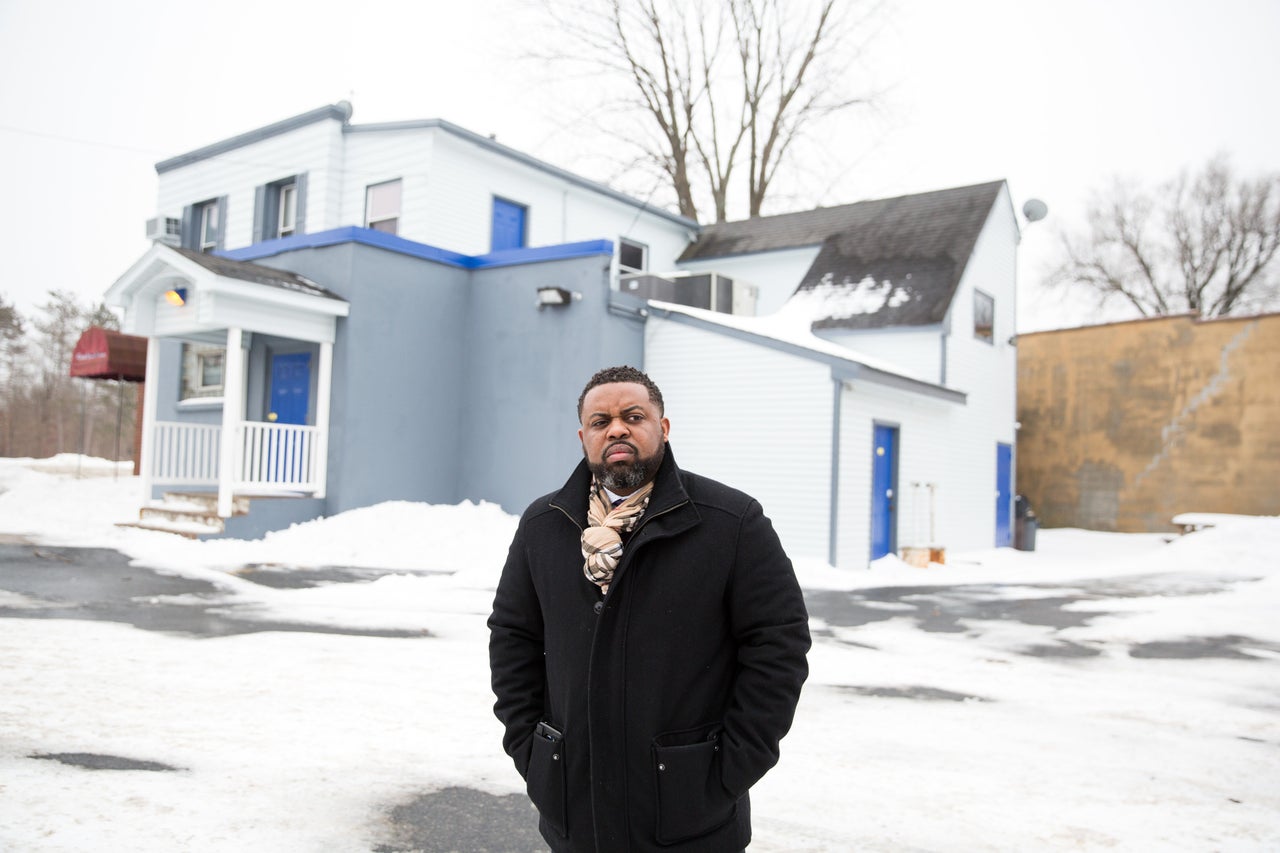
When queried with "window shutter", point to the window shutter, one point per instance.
{"points": [[222, 223], [260, 226], [300, 204], [189, 227]]}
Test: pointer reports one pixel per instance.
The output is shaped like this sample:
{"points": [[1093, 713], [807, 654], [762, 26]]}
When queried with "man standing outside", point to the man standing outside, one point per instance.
{"points": [[647, 642]]}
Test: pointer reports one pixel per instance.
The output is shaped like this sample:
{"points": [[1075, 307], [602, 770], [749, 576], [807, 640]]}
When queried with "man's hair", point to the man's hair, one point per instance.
{"points": [[623, 373]]}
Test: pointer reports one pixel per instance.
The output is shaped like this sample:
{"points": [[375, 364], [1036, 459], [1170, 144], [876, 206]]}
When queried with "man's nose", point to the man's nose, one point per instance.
{"points": [[618, 428]]}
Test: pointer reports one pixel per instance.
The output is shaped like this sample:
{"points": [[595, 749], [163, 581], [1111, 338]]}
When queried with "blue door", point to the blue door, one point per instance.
{"points": [[290, 387], [884, 491], [1004, 493], [508, 225]]}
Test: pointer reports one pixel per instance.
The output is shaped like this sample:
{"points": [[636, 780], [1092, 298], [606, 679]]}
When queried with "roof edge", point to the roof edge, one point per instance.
{"points": [[340, 111], [843, 367], [497, 147]]}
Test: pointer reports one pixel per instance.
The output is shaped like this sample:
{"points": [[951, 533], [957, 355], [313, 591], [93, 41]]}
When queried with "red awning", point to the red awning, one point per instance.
{"points": [[104, 354]]}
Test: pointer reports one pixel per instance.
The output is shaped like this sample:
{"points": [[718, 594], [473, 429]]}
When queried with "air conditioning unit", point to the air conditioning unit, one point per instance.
{"points": [[711, 290], [165, 229]]}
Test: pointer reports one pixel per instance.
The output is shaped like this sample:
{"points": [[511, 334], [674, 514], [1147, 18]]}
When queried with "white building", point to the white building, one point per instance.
{"points": [[857, 376], [875, 408]]}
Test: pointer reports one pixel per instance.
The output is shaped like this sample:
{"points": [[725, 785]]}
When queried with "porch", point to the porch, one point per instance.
{"points": [[252, 430]]}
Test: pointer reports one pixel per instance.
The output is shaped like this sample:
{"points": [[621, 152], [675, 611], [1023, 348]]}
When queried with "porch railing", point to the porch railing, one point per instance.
{"points": [[186, 454], [268, 456], [276, 455]]}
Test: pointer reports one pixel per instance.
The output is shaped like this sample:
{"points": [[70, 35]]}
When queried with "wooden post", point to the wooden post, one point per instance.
{"points": [[232, 415]]}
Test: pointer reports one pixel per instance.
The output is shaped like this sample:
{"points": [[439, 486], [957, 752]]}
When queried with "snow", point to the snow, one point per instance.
{"points": [[905, 739]]}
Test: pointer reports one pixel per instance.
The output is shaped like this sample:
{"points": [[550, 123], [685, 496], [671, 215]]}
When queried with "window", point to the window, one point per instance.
{"points": [[984, 316], [632, 257], [509, 225], [202, 371], [204, 224], [279, 208], [382, 207], [288, 204], [207, 219]]}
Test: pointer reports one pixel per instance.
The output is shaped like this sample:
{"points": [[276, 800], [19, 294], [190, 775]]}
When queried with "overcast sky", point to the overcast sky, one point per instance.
{"points": [[1055, 97]]}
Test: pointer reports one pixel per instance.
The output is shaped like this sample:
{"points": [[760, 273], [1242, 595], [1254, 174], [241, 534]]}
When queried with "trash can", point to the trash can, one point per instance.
{"points": [[1025, 534], [1025, 525]]}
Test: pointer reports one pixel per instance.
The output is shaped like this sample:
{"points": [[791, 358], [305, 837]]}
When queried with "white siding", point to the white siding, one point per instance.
{"points": [[237, 174], [926, 454], [754, 418], [987, 372], [777, 274], [913, 349], [388, 155], [448, 188]]}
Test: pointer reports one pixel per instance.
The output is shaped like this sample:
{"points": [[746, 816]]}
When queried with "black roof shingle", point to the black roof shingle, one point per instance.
{"points": [[887, 262]]}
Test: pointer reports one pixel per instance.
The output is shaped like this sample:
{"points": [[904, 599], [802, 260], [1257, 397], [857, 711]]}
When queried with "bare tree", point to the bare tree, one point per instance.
{"points": [[1203, 243], [13, 348], [720, 88]]}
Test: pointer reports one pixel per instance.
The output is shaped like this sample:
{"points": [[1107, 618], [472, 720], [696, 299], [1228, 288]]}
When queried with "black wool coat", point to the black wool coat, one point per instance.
{"points": [[640, 720]]}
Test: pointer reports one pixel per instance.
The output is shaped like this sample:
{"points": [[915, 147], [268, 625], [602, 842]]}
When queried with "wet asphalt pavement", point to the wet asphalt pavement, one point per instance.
{"points": [[98, 584]]}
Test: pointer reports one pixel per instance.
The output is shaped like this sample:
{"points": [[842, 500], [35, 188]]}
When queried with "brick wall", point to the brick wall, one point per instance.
{"points": [[1127, 424]]}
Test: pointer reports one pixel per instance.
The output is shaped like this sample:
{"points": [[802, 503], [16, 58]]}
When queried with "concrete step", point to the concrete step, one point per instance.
{"points": [[205, 502], [189, 529], [190, 514]]}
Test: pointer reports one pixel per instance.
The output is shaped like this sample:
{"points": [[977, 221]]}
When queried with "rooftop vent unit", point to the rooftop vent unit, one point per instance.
{"points": [[165, 229]]}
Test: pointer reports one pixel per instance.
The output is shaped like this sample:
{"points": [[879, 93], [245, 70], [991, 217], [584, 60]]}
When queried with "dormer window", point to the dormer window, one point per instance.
{"points": [[382, 207]]}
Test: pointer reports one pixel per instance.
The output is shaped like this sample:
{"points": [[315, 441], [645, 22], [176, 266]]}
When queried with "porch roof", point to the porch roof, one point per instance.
{"points": [[218, 294]]}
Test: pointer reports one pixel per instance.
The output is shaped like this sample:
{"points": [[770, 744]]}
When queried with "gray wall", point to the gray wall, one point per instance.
{"points": [[524, 370], [397, 374], [448, 384]]}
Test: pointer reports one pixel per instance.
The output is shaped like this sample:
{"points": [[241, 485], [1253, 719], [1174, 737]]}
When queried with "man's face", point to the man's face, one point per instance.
{"points": [[623, 435]]}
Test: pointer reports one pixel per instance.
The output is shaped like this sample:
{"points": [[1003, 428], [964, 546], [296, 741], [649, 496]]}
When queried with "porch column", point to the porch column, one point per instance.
{"points": [[150, 390], [232, 415], [324, 387]]}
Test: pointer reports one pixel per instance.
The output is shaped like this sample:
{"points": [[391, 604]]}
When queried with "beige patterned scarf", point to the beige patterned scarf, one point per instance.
{"points": [[602, 539]]}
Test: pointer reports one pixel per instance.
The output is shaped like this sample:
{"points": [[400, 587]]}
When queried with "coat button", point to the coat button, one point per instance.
{"points": [[598, 606]]}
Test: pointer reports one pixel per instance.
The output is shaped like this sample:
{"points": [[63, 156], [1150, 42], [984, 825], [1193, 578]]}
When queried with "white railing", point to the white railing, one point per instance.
{"points": [[185, 454], [276, 456], [268, 456]]}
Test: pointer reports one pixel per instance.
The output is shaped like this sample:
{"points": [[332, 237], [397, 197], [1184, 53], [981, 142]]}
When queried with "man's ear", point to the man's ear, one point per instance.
{"points": [[666, 430]]}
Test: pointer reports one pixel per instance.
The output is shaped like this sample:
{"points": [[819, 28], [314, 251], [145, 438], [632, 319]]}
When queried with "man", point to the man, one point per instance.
{"points": [[647, 643]]}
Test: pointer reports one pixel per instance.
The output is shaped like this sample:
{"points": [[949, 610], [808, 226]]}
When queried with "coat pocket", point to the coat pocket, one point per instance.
{"points": [[545, 781], [691, 799]]}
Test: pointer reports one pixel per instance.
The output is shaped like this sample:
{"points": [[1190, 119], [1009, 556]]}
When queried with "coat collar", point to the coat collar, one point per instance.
{"points": [[668, 490]]}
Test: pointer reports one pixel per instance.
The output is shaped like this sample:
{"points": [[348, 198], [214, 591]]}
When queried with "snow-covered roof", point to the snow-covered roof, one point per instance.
{"points": [[887, 262]]}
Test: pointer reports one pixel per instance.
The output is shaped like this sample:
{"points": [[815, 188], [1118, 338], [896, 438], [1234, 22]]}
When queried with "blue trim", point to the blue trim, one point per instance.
{"points": [[394, 243]]}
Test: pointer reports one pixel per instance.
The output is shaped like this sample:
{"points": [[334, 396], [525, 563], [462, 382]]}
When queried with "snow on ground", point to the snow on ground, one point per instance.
{"points": [[905, 739]]}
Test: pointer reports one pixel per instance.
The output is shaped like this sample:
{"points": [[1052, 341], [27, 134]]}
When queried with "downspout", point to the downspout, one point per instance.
{"points": [[833, 522]]}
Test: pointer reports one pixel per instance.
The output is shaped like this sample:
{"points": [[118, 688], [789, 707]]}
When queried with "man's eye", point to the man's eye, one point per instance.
{"points": [[634, 418]]}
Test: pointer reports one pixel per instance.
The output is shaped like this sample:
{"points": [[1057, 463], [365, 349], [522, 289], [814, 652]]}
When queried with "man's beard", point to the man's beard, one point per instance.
{"points": [[630, 475]]}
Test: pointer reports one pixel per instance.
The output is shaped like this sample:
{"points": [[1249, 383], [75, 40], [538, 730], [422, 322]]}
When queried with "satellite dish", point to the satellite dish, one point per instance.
{"points": [[1035, 210]]}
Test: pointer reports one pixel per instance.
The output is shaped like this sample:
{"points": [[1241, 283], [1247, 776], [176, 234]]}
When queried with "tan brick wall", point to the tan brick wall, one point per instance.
{"points": [[1128, 424]]}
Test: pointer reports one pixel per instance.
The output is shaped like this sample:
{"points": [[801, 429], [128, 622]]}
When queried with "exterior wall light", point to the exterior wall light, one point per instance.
{"points": [[176, 297], [555, 297]]}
